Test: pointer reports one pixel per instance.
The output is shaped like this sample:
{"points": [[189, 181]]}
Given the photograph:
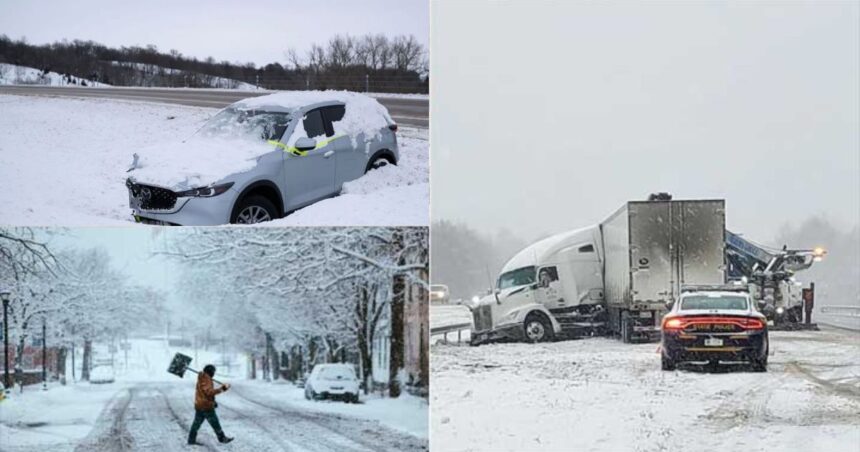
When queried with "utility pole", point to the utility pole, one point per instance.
{"points": [[4, 295], [44, 353]]}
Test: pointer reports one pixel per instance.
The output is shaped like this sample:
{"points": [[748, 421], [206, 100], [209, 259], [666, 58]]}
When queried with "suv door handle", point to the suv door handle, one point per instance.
{"points": [[328, 154]]}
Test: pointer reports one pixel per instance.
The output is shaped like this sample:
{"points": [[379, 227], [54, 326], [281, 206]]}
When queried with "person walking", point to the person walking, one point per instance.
{"points": [[204, 405]]}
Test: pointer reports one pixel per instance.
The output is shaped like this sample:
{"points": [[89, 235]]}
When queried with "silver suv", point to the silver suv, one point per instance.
{"points": [[261, 158]]}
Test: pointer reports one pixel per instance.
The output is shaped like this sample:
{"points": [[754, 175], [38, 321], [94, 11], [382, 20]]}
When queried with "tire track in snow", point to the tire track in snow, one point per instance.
{"points": [[333, 440], [110, 432]]}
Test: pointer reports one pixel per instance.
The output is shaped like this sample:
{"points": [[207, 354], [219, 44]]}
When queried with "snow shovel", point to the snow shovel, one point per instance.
{"points": [[179, 365]]}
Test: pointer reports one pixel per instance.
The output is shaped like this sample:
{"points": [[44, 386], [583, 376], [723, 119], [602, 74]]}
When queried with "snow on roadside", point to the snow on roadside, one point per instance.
{"points": [[11, 74], [63, 163], [63, 160], [408, 414], [601, 394]]}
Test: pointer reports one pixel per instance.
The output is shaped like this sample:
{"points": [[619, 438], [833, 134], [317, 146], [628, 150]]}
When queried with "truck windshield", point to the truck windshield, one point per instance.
{"points": [[256, 124], [693, 302], [518, 277]]}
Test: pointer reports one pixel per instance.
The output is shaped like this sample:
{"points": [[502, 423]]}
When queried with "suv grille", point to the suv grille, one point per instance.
{"points": [[483, 318], [152, 198]]}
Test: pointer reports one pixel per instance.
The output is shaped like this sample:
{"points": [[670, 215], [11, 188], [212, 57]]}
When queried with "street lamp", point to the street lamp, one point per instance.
{"points": [[5, 294]]}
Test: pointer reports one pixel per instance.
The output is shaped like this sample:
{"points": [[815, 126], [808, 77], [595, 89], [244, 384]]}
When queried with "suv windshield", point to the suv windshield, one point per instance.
{"points": [[732, 302], [518, 277], [256, 124]]}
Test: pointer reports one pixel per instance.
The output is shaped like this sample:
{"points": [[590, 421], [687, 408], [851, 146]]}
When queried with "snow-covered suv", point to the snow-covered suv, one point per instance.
{"points": [[261, 158], [337, 381]]}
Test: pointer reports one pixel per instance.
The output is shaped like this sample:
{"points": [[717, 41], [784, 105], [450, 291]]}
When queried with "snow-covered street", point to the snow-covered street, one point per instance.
{"points": [[63, 163], [601, 394], [149, 409]]}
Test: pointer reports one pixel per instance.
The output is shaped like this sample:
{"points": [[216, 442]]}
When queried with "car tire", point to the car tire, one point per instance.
{"points": [[254, 209], [666, 363], [377, 162], [537, 328], [307, 395]]}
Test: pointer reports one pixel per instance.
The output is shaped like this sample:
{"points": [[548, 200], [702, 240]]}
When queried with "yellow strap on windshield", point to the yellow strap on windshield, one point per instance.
{"points": [[295, 151]]}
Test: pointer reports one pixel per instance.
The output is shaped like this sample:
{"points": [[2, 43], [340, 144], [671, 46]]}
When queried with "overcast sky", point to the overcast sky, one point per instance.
{"points": [[551, 115], [129, 249], [258, 31]]}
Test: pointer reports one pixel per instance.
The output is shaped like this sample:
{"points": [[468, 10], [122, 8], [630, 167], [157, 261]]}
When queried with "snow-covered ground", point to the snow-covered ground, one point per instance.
{"points": [[600, 394], [149, 409], [11, 74], [63, 162]]}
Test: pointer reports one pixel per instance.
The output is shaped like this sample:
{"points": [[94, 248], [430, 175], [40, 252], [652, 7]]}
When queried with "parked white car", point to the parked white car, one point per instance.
{"points": [[101, 375], [335, 381]]}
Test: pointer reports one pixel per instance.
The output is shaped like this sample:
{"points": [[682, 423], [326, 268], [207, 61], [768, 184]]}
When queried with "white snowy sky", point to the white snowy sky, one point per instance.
{"points": [[552, 114], [258, 31], [129, 249]]}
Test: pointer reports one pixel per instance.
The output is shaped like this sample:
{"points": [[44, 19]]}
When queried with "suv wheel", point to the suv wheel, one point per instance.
{"points": [[254, 209], [376, 163]]}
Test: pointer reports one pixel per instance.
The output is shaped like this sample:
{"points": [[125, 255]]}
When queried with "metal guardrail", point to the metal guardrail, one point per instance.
{"points": [[844, 311], [446, 329]]}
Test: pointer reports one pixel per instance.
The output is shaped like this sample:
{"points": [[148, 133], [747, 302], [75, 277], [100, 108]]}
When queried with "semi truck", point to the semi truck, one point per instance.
{"points": [[619, 276]]}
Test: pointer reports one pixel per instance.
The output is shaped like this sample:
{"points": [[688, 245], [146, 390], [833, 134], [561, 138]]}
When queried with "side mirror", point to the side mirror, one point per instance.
{"points": [[305, 144], [669, 305]]}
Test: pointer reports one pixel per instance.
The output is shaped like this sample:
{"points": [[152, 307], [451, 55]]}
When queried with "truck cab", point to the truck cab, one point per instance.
{"points": [[550, 288]]}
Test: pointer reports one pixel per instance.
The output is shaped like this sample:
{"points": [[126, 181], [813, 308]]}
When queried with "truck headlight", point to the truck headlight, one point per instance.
{"points": [[780, 310], [205, 192]]}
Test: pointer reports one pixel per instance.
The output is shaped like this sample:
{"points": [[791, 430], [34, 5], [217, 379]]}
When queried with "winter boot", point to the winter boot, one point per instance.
{"points": [[222, 438]]}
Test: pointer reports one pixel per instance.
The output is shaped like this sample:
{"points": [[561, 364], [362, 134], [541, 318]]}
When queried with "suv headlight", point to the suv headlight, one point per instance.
{"points": [[205, 192]]}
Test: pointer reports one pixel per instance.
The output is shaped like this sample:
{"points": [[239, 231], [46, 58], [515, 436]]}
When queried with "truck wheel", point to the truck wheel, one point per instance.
{"points": [[537, 328], [666, 363]]}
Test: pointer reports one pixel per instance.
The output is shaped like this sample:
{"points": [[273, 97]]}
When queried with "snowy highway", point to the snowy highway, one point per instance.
{"points": [[405, 109], [601, 394]]}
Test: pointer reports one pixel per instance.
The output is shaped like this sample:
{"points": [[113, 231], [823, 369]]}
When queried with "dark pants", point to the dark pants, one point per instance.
{"points": [[208, 415]]}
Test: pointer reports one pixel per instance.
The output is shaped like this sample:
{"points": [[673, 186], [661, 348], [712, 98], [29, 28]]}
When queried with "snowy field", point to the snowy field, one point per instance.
{"points": [[600, 394], [63, 162], [149, 409]]}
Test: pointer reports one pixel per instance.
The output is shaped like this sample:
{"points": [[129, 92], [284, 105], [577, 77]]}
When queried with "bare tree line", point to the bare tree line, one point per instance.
{"points": [[371, 62]]}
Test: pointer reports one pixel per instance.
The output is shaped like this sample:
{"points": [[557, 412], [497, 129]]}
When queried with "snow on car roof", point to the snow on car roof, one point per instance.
{"points": [[364, 114], [538, 251]]}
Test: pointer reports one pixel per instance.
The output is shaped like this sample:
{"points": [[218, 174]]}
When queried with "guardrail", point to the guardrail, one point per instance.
{"points": [[445, 330], [844, 311]]}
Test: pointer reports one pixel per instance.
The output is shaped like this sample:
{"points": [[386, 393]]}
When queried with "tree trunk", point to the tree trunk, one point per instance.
{"points": [[253, 359], [86, 362], [395, 355], [61, 364]]}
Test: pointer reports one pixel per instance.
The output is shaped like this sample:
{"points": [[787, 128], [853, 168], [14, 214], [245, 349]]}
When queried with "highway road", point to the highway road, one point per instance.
{"points": [[405, 111]]}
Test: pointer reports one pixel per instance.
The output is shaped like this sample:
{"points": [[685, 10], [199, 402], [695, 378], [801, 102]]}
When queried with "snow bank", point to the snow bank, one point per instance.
{"points": [[11, 74]]}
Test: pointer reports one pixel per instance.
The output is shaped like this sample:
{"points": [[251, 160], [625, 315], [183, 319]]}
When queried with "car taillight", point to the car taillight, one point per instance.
{"points": [[393, 128], [672, 323], [752, 324]]}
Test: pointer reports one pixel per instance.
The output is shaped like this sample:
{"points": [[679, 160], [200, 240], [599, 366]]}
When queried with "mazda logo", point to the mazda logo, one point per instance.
{"points": [[145, 194]]}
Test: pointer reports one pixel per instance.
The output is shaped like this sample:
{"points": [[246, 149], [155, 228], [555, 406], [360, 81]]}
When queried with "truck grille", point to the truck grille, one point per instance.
{"points": [[483, 317], [151, 197]]}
